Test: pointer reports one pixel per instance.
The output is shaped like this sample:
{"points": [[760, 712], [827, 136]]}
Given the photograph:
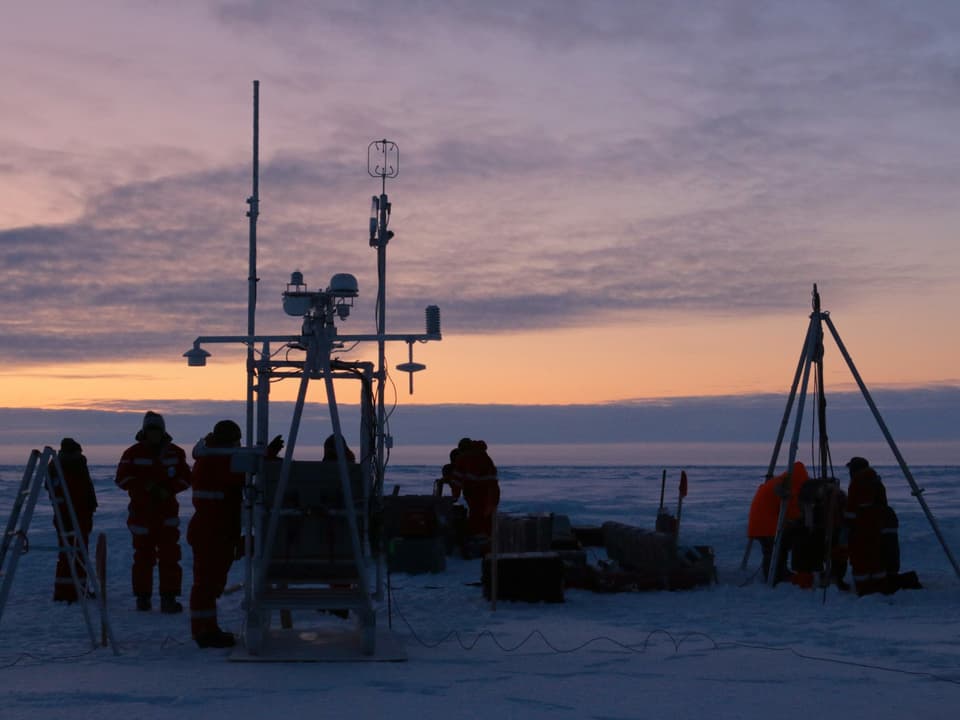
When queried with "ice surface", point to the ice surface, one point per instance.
{"points": [[729, 651]]}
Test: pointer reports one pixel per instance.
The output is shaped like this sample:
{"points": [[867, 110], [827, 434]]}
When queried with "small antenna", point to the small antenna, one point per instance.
{"points": [[383, 160]]}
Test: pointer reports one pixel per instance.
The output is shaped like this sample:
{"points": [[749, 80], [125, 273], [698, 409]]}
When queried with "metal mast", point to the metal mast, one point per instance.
{"points": [[316, 582], [383, 161], [254, 202]]}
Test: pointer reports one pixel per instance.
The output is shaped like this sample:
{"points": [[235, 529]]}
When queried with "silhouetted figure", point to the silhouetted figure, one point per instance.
{"points": [[152, 472], [474, 474], [765, 513], [216, 530], [446, 478], [330, 450], [873, 526], [76, 478]]}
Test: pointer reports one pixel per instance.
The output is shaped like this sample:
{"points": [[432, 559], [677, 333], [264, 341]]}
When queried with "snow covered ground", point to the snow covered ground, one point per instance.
{"points": [[728, 651]]}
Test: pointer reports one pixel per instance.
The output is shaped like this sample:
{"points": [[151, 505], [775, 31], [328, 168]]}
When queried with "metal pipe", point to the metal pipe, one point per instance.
{"points": [[211, 339], [263, 369], [792, 396], [17, 540], [382, 238], [253, 213], [794, 445], [783, 429], [350, 508], [277, 500], [18, 505], [251, 496], [285, 339], [824, 446]]}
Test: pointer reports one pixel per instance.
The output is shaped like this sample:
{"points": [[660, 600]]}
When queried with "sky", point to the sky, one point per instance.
{"points": [[611, 202]]}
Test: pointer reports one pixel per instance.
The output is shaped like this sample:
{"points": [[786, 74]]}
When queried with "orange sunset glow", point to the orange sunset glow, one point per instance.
{"points": [[602, 214]]}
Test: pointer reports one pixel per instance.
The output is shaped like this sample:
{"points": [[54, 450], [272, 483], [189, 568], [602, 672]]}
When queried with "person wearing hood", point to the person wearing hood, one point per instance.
{"points": [[215, 530], [330, 451], [872, 524], [765, 516], [475, 474], [153, 471], [83, 498]]}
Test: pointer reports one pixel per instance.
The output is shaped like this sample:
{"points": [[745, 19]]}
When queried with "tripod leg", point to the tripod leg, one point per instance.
{"points": [[277, 500], [783, 427], [917, 492], [801, 364], [813, 338], [746, 554]]}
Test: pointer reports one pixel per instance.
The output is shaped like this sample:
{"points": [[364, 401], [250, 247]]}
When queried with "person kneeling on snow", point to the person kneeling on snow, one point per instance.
{"points": [[874, 541], [215, 531]]}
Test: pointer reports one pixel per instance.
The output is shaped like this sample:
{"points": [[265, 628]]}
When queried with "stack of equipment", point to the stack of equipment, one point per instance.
{"points": [[415, 529]]}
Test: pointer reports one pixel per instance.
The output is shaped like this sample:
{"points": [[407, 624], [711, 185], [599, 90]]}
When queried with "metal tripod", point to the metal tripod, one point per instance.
{"points": [[810, 355]]}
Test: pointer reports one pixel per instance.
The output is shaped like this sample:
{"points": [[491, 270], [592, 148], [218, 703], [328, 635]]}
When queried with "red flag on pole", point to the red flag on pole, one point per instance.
{"points": [[683, 483]]}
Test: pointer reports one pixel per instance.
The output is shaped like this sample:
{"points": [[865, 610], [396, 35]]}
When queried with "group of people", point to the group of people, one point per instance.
{"points": [[823, 527], [825, 530], [153, 471]]}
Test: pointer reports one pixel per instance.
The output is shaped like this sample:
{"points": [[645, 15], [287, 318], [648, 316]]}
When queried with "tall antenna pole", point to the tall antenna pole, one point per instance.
{"points": [[383, 161], [382, 240], [254, 202]]}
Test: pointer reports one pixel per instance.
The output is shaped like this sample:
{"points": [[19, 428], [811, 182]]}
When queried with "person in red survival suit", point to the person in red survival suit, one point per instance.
{"points": [[215, 531], [475, 473], [152, 472], [765, 513], [79, 486], [865, 516]]}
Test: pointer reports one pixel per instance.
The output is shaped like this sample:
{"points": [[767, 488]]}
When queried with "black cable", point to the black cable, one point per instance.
{"points": [[51, 659], [837, 661], [676, 641]]}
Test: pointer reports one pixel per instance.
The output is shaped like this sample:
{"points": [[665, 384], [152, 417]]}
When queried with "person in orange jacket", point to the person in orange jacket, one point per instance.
{"points": [[215, 530], [79, 486], [765, 513], [476, 476], [153, 471]]}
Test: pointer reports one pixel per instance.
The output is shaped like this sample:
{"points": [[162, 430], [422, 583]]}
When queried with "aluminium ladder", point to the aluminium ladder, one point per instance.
{"points": [[14, 542]]}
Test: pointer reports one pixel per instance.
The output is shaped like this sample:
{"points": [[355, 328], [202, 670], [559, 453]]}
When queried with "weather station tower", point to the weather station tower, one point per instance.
{"points": [[312, 528]]}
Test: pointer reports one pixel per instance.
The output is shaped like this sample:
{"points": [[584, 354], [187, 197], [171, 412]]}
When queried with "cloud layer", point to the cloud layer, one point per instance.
{"points": [[704, 430], [563, 164]]}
